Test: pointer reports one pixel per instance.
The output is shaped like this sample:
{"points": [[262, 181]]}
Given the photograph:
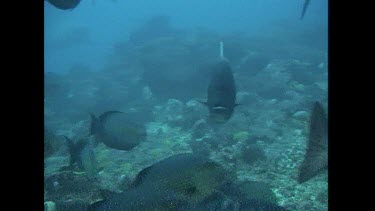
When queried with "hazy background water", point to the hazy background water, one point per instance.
{"points": [[86, 34]]}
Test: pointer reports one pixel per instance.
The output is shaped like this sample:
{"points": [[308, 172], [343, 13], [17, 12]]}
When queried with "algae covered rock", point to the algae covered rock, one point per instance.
{"points": [[258, 190], [69, 189], [252, 153]]}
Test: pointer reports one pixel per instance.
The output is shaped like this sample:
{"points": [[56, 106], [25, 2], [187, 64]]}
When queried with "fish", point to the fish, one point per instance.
{"points": [[305, 6], [64, 4], [82, 154], [221, 91], [170, 184], [316, 155], [117, 133], [232, 197], [75, 150]]}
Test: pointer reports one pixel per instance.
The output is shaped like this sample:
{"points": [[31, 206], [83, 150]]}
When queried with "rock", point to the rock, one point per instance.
{"points": [[271, 82], [303, 115], [253, 63], [200, 148], [69, 187], [200, 128], [246, 98], [49, 206], [252, 153]]}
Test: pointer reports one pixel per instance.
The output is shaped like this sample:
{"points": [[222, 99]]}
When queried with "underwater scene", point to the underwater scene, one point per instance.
{"points": [[185, 105]]}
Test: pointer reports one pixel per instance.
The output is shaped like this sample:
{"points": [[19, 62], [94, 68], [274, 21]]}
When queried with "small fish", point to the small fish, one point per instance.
{"points": [[305, 6], [75, 150], [64, 4], [82, 154], [221, 92], [316, 156]]}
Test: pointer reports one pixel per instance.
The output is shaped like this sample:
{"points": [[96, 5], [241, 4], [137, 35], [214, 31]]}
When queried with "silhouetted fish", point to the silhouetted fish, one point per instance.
{"points": [[221, 92], [305, 6], [170, 184], [82, 154], [120, 135], [75, 150], [316, 157], [64, 4]]}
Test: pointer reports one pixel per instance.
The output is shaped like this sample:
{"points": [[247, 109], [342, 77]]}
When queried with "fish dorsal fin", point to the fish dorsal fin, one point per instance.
{"points": [[316, 157], [96, 205], [105, 116], [97, 123], [222, 58], [140, 177]]}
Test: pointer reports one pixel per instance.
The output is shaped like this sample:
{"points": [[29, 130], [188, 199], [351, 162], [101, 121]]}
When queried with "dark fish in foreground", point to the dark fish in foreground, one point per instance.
{"points": [[117, 133], [316, 157], [221, 92], [305, 6], [233, 197], [64, 4], [170, 184], [183, 182]]}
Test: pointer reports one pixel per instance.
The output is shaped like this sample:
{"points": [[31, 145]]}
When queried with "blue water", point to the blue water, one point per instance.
{"points": [[108, 22]]}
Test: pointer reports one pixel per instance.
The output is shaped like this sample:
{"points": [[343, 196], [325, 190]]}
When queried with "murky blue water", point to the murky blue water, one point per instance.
{"points": [[154, 62]]}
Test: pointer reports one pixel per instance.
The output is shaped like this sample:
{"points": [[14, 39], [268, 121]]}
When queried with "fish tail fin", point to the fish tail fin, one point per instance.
{"points": [[71, 148], [94, 125], [316, 156]]}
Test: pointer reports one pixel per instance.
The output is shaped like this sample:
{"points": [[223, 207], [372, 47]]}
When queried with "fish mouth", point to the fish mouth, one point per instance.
{"points": [[219, 108]]}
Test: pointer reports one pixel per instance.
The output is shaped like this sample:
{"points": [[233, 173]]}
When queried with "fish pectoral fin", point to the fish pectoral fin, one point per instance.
{"points": [[202, 102]]}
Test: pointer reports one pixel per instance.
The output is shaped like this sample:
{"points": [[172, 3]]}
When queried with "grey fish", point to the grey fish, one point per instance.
{"points": [[316, 156], [64, 4], [170, 184], [305, 6], [75, 150], [221, 92], [120, 135]]}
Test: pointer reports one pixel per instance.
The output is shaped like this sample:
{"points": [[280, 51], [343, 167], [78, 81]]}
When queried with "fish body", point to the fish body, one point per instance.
{"points": [[82, 154], [304, 9], [316, 156], [170, 184], [221, 93], [117, 133], [64, 4]]}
